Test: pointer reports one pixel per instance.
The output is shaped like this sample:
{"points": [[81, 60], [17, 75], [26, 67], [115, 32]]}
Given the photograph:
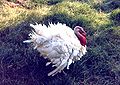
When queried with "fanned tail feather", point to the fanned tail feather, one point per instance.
{"points": [[27, 41]]}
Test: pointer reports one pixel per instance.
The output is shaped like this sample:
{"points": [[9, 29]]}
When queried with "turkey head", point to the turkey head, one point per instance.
{"points": [[81, 35]]}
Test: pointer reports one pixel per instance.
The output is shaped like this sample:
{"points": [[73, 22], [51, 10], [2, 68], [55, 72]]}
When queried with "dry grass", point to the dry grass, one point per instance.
{"points": [[12, 16]]}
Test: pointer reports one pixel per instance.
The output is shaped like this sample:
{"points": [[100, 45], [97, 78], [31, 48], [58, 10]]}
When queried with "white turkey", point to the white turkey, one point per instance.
{"points": [[59, 44]]}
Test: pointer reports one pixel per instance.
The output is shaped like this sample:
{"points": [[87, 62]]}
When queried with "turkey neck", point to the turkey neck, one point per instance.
{"points": [[82, 38]]}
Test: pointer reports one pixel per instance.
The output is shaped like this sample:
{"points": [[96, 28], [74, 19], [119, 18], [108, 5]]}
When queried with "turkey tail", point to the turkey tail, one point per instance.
{"points": [[27, 41]]}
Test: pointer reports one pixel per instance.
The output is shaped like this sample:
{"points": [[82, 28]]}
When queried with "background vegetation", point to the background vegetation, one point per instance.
{"points": [[21, 65]]}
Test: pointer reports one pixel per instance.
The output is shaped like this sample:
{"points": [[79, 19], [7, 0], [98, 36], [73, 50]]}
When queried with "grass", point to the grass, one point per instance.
{"points": [[22, 65], [13, 16], [115, 17], [79, 11], [75, 10]]}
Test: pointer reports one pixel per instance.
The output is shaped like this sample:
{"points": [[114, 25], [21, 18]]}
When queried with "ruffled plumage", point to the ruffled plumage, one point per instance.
{"points": [[58, 43]]}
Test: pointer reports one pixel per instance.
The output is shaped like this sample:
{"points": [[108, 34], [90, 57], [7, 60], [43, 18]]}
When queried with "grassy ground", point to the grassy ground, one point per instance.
{"points": [[21, 65], [13, 16]]}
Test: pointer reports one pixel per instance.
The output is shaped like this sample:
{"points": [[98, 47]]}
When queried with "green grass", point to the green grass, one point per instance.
{"points": [[22, 65], [115, 17], [12, 16], [74, 10], [81, 12]]}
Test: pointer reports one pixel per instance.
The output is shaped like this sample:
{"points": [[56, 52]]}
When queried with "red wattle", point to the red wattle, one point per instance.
{"points": [[82, 39]]}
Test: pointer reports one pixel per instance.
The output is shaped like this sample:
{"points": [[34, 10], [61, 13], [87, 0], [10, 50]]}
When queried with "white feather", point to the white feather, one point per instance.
{"points": [[58, 43]]}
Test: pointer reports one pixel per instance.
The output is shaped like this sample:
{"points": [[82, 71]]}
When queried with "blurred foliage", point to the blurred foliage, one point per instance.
{"points": [[12, 0], [115, 16], [0, 2]]}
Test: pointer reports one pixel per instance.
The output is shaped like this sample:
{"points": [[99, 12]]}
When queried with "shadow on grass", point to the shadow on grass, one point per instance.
{"points": [[21, 65]]}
